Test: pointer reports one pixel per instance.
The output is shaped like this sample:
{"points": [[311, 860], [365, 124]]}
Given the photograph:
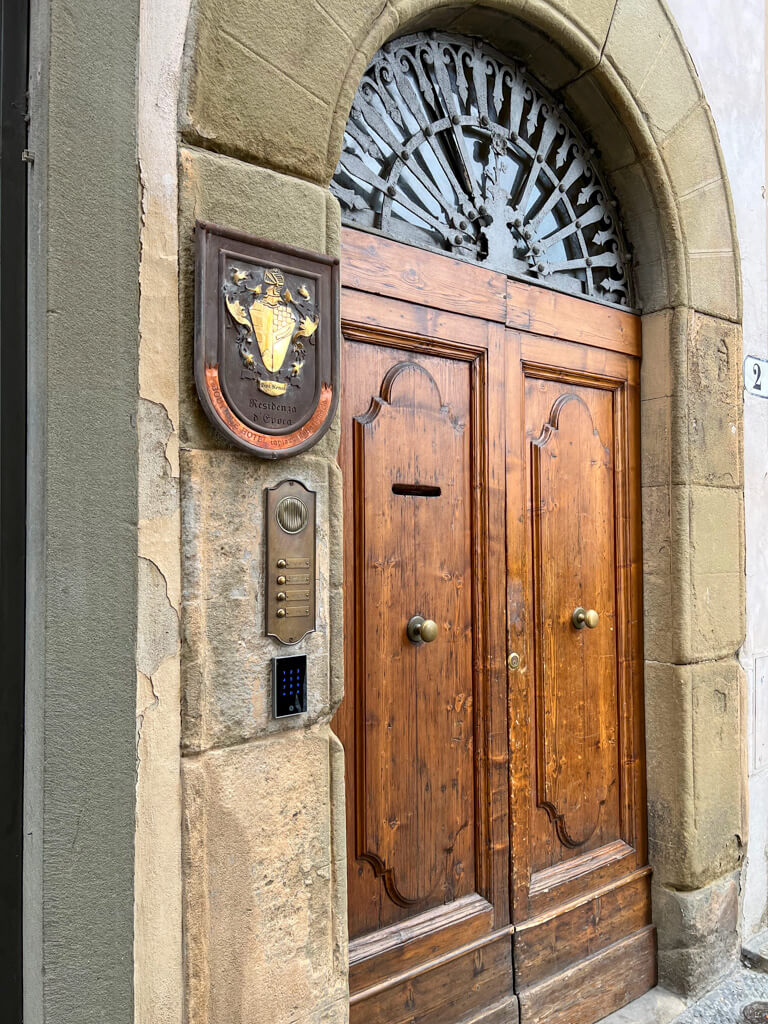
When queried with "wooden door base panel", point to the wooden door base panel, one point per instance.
{"points": [[448, 989], [595, 987], [549, 945], [414, 944]]}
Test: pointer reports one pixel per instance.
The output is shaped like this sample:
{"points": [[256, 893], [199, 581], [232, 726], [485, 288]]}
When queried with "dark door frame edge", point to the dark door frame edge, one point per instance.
{"points": [[14, 38]]}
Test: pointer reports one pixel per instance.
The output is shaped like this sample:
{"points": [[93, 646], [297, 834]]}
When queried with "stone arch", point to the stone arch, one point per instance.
{"points": [[266, 97], [277, 92]]}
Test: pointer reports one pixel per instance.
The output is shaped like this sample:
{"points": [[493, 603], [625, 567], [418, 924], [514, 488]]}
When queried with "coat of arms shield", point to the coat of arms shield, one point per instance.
{"points": [[266, 341]]}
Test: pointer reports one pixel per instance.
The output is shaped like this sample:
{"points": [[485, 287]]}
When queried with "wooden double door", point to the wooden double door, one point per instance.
{"points": [[493, 717]]}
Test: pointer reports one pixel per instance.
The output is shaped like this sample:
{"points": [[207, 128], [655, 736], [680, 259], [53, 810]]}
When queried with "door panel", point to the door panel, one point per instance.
{"points": [[414, 814], [580, 880], [495, 808], [569, 430], [425, 751]]}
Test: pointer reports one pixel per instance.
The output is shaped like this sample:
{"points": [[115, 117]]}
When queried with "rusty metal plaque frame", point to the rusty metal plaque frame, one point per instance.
{"points": [[266, 341]]}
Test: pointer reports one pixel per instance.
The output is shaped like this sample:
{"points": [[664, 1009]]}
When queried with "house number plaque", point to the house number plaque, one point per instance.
{"points": [[266, 341]]}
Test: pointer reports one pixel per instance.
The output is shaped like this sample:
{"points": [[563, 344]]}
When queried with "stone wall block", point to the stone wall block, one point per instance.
{"points": [[698, 934], [652, 285], [592, 18], [705, 214], [693, 572], [226, 656], [336, 649], [658, 636], [332, 225], [669, 757], [589, 106], [547, 61], [656, 368], [719, 730], [679, 627], [656, 427], [714, 452], [336, 525], [697, 134], [234, 194], [717, 564], [714, 284], [651, 59], [639, 31], [265, 88], [657, 534], [659, 276], [694, 731], [439, 18], [260, 940], [718, 614], [658, 617], [716, 531]]}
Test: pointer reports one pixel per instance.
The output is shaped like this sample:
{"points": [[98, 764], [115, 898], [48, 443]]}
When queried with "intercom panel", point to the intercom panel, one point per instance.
{"points": [[290, 561]]}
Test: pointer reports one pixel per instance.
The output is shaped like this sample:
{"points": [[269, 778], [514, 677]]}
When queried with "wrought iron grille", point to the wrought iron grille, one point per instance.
{"points": [[452, 146]]}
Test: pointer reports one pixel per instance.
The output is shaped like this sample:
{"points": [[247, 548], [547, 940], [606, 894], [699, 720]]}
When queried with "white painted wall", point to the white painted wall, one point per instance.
{"points": [[727, 42]]}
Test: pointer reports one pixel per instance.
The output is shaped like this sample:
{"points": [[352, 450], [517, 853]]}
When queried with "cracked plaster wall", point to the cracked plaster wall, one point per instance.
{"points": [[158, 986]]}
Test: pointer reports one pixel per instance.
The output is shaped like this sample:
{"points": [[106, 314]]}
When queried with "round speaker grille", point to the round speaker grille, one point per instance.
{"points": [[291, 515]]}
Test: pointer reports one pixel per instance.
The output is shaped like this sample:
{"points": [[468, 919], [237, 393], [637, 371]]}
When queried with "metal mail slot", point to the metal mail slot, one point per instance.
{"points": [[290, 561]]}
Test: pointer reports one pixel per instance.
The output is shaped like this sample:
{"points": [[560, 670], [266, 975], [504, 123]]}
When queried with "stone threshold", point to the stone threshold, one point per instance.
{"points": [[659, 1006], [755, 952]]}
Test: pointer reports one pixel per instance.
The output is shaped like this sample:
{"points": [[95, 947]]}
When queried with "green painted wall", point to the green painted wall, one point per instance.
{"points": [[81, 693]]}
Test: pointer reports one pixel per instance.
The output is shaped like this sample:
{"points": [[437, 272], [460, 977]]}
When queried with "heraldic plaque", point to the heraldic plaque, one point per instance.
{"points": [[266, 341]]}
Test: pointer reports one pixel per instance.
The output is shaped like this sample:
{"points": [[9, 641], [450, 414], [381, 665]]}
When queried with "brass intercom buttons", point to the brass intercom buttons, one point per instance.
{"points": [[281, 581], [281, 564], [280, 613]]}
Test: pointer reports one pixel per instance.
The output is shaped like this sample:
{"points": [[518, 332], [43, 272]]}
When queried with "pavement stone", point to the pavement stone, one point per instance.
{"points": [[725, 1003]]}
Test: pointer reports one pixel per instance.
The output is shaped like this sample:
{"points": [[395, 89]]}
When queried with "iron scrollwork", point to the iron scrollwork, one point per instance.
{"points": [[452, 146]]}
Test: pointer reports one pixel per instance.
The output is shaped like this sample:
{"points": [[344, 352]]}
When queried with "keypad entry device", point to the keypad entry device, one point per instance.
{"points": [[289, 686], [290, 561]]}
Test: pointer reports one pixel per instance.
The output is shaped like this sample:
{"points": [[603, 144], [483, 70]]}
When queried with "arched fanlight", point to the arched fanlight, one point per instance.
{"points": [[452, 146]]}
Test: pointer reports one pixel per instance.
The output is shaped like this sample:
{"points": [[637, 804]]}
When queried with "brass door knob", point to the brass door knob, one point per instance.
{"points": [[581, 618], [420, 629]]}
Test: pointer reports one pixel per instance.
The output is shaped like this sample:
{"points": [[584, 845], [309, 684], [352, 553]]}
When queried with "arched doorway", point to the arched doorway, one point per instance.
{"points": [[261, 127], [493, 716]]}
